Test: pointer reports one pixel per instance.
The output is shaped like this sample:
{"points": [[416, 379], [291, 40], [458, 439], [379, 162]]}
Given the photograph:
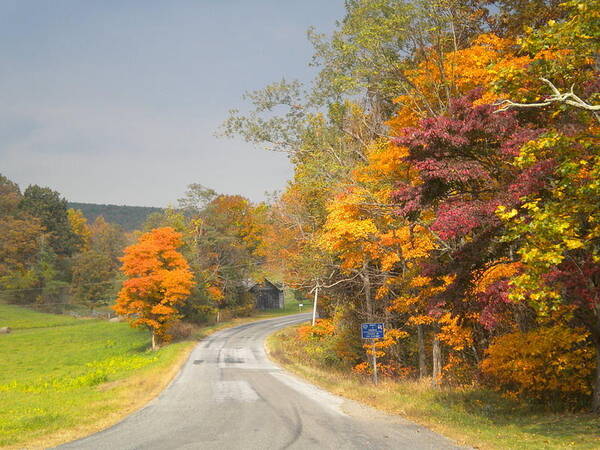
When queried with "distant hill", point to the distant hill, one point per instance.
{"points": [[129, 217]]}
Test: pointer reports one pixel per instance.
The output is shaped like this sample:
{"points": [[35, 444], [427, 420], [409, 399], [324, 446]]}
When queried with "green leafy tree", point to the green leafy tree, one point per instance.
{"points": [[48, 206], [277, 121], [94, 279], [107, 239], [513, 17], [380, 40], [95, 270]]}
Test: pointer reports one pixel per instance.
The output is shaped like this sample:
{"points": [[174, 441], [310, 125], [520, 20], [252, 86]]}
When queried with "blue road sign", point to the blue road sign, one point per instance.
{"points": [[371, 330]]}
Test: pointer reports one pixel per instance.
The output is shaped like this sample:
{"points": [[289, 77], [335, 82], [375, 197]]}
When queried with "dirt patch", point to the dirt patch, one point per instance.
{"points": [[110, 385]]}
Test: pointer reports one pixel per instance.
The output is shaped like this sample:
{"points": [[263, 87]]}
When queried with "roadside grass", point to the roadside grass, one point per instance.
{"points": [[63, 378], [471, 416]]}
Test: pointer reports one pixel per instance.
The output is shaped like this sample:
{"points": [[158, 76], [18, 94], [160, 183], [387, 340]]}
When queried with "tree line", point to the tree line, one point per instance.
{"points": [[50, 256], [446, 183], [130, 218], [53, 259]]}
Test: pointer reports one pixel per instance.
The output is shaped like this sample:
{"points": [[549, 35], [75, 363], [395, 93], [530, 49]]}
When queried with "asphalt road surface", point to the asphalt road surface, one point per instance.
{"points": [[229, 395]]}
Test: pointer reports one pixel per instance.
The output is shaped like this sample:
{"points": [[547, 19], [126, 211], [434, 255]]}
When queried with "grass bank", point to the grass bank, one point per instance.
{"points": [[470, 416], [63, 378]]}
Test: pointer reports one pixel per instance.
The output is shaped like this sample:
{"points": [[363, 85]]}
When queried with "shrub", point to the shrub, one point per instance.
{"points": [[181, 330], [243, 310], [550, 363], [390, 370], [322, 328]]}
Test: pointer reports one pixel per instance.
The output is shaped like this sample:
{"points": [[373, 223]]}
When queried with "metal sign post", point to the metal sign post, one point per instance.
{"points": [[373, 331], [374, 365]]}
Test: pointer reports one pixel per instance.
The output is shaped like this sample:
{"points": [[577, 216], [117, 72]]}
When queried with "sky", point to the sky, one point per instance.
{"points": [[118, 101]]}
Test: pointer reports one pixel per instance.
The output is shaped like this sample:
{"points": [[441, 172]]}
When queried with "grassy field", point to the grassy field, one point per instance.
{"points": [[470, 416], [62, 378]]}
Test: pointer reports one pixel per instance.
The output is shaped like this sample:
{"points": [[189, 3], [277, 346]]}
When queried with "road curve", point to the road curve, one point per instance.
{"points": [[229, 395]]}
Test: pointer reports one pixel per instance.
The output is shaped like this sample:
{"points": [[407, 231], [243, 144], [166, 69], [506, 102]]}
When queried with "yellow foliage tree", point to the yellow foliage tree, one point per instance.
{"points": [[80, 227]]}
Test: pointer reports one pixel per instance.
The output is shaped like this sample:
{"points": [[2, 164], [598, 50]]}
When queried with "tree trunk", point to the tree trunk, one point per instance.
{"points": [[437, 361], [314, 316], [153, 341], [367, 289], [218, 315], [596, 395], [422, 359]]}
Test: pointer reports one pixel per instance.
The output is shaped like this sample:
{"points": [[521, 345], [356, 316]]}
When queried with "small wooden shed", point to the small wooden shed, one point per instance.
{"points": [[267, 295]]}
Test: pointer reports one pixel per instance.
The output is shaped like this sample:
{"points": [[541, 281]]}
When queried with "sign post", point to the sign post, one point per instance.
{"points": [[373, 331]]}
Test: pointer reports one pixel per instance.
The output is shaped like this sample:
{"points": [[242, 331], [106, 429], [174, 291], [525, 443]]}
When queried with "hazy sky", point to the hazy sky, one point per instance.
{"points": [[117, 101]]}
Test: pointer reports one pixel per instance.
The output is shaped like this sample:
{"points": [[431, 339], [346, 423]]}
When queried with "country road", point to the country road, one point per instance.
{"points": [[230, 396]]}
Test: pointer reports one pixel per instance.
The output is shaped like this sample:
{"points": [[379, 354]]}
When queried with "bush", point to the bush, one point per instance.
{"points": [[181, 330], [389, 370], [550, 363], [323, 328], [243, 311]]}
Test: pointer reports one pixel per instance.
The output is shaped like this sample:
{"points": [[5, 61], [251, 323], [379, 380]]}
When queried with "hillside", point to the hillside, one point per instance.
{"points": [[129, 217]]}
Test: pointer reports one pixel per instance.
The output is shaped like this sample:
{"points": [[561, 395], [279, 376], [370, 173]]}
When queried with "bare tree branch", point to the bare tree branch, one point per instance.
{"points": [[568, 98]]}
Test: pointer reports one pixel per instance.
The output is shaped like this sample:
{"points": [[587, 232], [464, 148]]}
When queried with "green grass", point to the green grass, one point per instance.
{"points": [[60, 373], [19, 318], [289, 307], [62, 378], [471, 416]]}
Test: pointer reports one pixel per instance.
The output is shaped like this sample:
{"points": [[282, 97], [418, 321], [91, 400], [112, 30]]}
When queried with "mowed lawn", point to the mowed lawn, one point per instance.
{"points": [[62, 378]]}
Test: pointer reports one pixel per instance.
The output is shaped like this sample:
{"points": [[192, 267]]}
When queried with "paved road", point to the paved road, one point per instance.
{"points": [[230, 396]]}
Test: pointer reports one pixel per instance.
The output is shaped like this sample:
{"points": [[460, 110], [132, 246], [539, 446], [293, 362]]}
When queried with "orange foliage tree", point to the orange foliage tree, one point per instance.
{"points": [[159, 279]]}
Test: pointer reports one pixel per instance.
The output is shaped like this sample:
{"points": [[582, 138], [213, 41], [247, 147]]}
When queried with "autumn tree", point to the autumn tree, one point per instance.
{"points": [[227, 236], [10, 196], [444, 182], [20, 233], [79, 226], [222, 240], [553, 227], [20, 239], [158, 280]]}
